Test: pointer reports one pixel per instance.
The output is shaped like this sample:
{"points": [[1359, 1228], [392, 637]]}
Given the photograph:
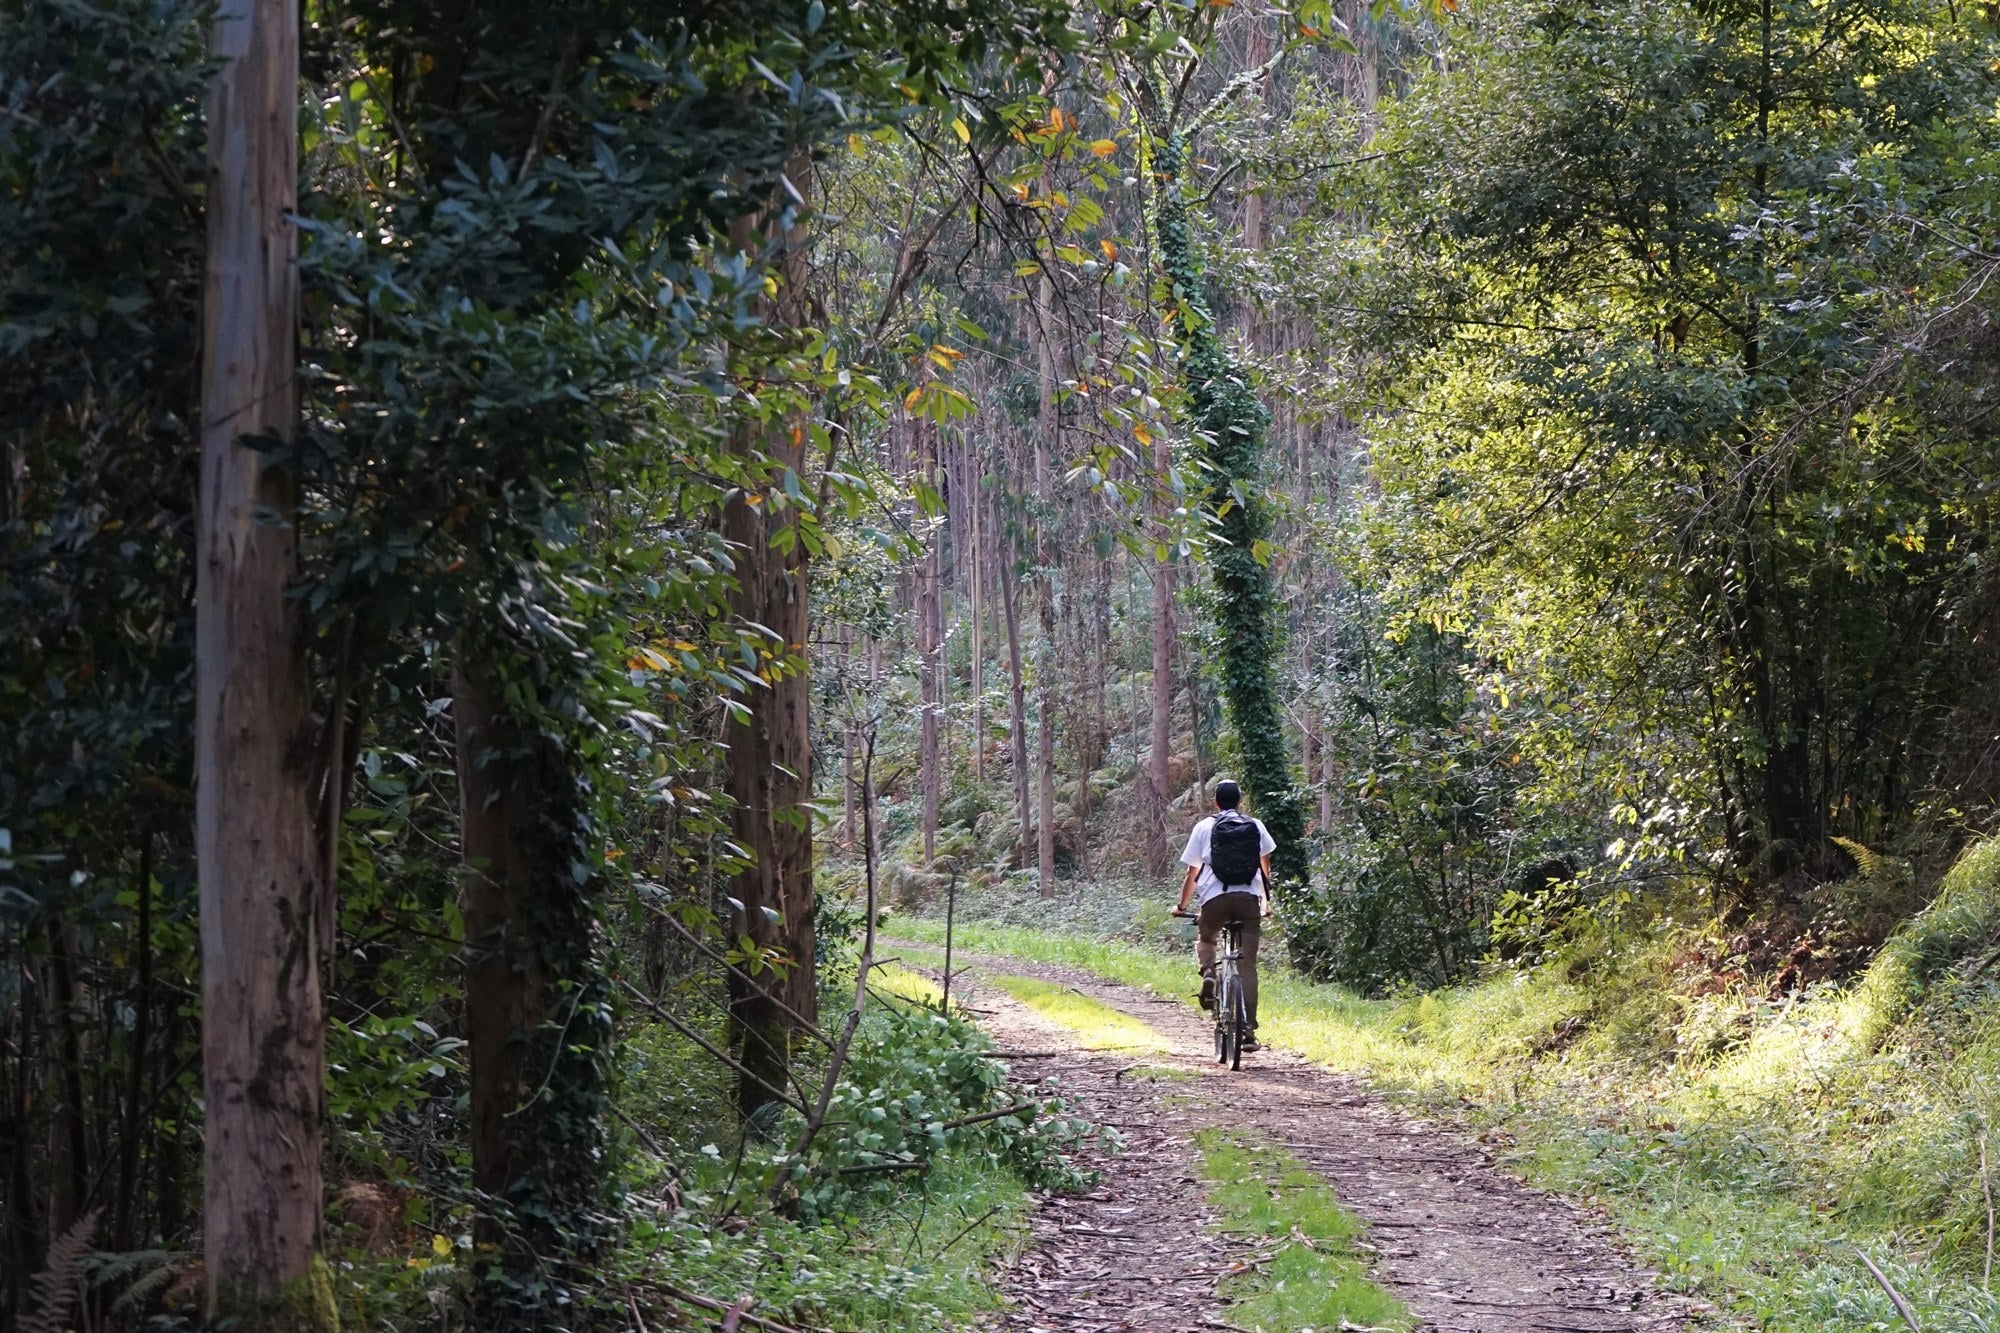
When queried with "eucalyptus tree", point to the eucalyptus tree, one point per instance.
{"points": [[260, 759]]}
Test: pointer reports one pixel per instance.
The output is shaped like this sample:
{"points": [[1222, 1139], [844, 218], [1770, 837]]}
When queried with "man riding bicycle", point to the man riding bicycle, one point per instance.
{"points": [[1228, 857]]}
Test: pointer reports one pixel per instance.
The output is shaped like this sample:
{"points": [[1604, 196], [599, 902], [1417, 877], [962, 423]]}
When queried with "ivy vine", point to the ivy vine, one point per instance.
{"points": [[1228, 421]]}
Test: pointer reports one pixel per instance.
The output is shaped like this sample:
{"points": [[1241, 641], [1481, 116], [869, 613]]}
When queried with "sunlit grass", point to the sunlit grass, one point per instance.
{"points": [[1096, 1025], [1314, 1281], [913, 986]]}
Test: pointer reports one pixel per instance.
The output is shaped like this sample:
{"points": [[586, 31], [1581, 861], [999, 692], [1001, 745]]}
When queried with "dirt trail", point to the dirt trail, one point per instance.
{"points": [[1467, 1247]]}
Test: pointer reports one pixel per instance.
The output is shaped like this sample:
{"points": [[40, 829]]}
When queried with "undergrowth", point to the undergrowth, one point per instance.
{"points": [[1752, 1145], [892, 1220]]}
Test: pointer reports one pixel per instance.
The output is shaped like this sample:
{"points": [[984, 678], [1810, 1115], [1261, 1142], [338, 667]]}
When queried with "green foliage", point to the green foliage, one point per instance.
{"points": [[1674, 330], [918, 1262], [1430, 831], [101, 156]]}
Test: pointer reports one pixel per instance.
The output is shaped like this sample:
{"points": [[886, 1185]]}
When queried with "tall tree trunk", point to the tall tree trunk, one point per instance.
{"points": [[871, 831], [768, 772], [69, 1125], [1098, 639], [768, 778], [122, 1236], [1086, 732], [1159, 842], [1045, 744], [535, 999], [1047, 425], [929, 598], [975, 590], [1017, 703], [256, 835], [849, 774]]}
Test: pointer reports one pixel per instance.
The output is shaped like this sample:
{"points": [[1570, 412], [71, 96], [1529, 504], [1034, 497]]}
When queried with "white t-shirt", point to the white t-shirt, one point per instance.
{"points": [[1206, 885]]}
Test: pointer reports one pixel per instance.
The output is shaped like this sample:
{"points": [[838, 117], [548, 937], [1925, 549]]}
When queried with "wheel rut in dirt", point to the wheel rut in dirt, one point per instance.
{"points": [[1467, 1247]]}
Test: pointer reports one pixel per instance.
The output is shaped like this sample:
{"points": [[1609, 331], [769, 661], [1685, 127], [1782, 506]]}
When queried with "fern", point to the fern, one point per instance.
{"points": [[1871, 862], [52, 1291], [136, 1275]]}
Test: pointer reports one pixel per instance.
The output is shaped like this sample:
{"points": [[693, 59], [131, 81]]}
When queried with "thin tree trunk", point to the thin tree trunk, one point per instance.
{"points": [[1159, 846], [1326, 775], [1098, 641], [69, 1138], [871, 833], [847, 745], [136, 1052], [929, 676], [1086, 740], [256, 838], [975, 590], [1010, 607], [1047, 425]]}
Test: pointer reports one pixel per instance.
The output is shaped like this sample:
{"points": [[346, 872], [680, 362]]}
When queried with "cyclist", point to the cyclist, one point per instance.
{"points": [[1228, 857]]}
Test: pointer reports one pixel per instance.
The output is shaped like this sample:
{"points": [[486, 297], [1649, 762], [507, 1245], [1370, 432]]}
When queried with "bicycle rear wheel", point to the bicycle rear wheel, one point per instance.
{"points": [[1228, 993], [1239, 1026]]}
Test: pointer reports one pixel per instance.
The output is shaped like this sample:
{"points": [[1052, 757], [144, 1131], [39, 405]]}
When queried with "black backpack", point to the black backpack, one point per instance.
{"points": [[1234, 850]]}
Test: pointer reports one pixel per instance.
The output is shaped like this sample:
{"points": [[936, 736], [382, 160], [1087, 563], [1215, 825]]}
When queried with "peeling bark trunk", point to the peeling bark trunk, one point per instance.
{"points": [[768, 772], [768, 777], [256, 833]]}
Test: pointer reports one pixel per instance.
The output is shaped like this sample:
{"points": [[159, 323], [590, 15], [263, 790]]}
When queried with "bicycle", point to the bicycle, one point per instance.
{"points": [[1232, 1011]]}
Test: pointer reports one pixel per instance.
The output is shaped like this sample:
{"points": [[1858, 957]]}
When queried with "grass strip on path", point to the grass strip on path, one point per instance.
{"points": [[1311, 1277]]}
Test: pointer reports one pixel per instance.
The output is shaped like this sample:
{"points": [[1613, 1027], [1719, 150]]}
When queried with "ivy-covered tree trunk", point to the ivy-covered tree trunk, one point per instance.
{"points": [[537, 1000], [1229, 422], [256, 745]]}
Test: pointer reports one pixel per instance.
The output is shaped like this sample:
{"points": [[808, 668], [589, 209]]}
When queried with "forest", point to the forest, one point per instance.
{"points": [[613, 618]]}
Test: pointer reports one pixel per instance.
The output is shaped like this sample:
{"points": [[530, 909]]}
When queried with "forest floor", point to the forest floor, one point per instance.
{"points": [[1458, 1244]]}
